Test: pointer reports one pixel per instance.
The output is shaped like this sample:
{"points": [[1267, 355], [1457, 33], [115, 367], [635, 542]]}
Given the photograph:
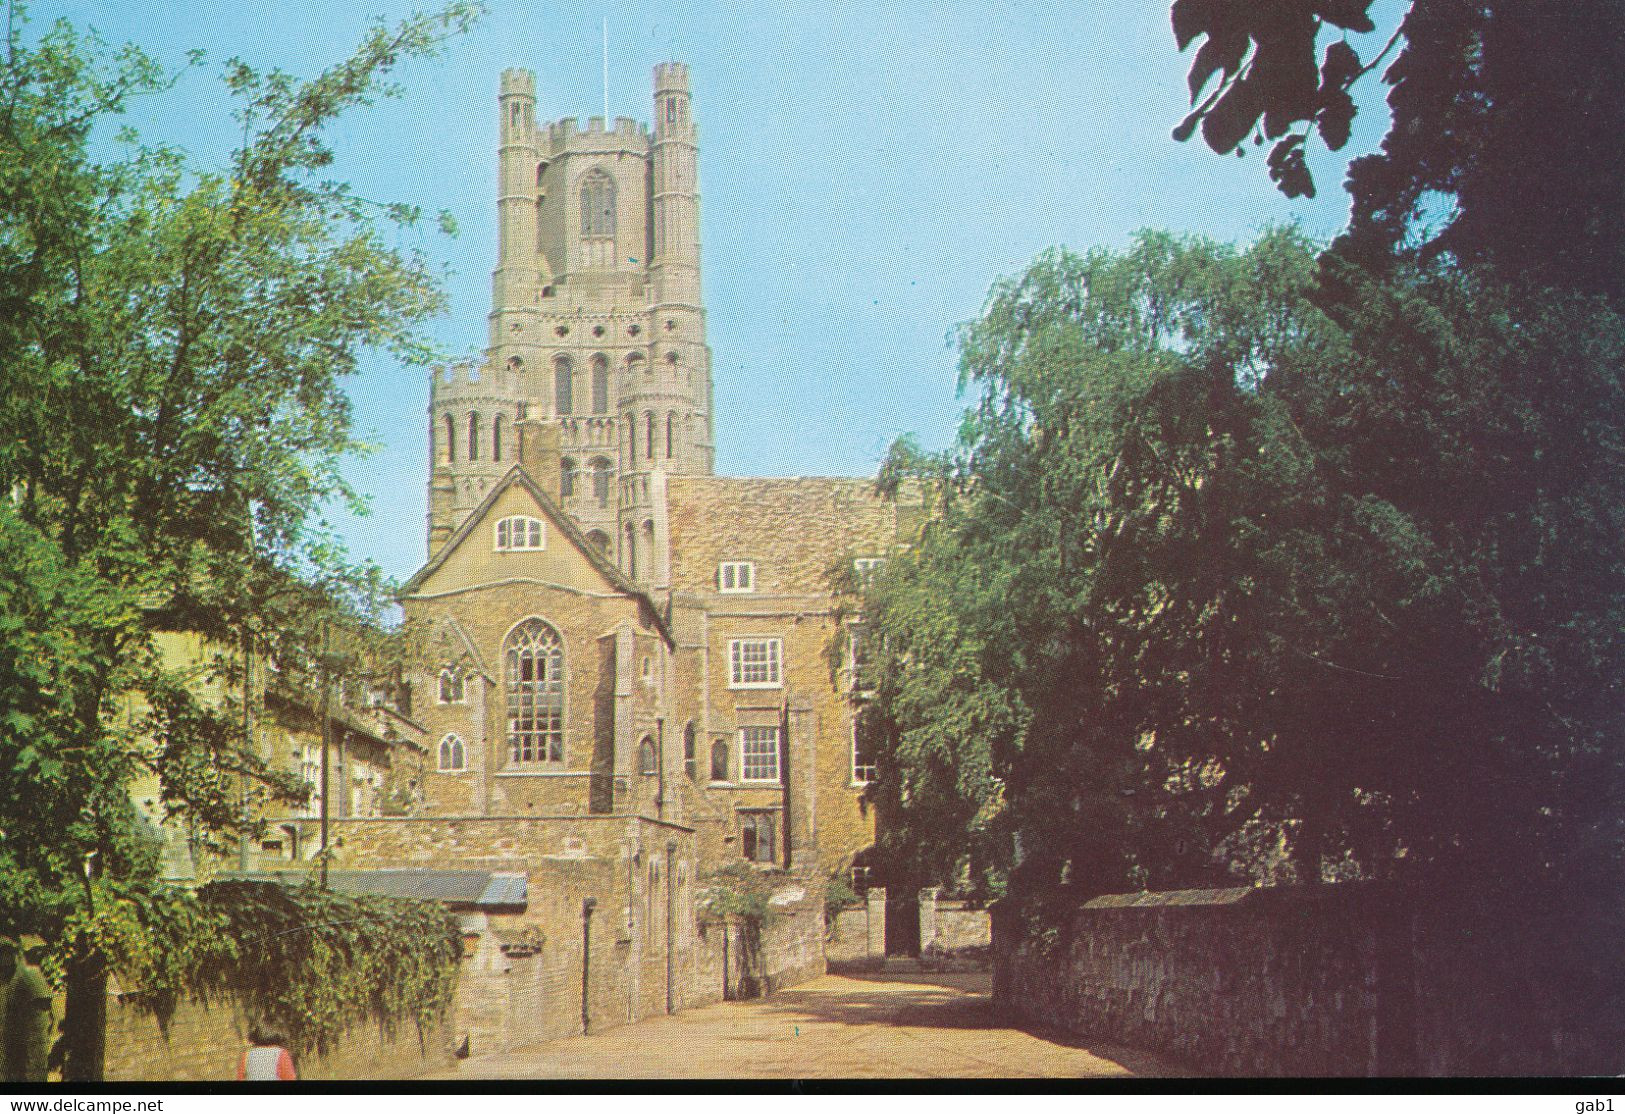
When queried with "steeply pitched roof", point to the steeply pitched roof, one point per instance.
{"points": [[460, 636], [517, 476]]}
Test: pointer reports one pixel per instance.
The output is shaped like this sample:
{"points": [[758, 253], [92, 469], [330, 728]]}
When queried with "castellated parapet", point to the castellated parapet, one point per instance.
{"points": [[596, 322]]}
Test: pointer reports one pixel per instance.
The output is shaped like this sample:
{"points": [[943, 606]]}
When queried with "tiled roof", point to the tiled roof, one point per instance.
{"points": [[796, 530]]}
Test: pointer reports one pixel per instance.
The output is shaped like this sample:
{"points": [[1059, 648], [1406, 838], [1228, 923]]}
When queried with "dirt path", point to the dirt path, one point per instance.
{"points": [[838, 1026]]}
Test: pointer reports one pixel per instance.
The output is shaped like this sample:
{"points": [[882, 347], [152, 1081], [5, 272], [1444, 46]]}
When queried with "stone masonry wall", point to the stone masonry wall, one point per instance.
{"points": [[947, 928], [1315, 981], [959, 928], [204, 1043], [1222, 981]]}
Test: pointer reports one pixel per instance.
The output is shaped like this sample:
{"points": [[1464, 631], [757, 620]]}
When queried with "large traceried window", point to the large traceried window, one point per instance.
{"points": [[533, 663], [598, 204], [453, 755], [759, 754], [753, 663]]}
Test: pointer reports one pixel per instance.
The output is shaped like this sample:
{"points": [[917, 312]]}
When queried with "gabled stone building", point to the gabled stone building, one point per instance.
{"points": [[617, 629]]}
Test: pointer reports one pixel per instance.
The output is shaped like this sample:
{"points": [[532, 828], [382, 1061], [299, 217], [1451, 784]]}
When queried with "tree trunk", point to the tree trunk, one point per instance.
{"points": [[84, 1021]]}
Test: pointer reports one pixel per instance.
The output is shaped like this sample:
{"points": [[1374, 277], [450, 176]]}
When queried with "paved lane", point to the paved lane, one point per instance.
{"points": [[900, 1026]]}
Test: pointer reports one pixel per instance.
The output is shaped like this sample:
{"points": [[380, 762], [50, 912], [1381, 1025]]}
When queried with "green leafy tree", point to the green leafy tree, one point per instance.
{"points": [[935, 723], [174, 339], [1275, 587]]}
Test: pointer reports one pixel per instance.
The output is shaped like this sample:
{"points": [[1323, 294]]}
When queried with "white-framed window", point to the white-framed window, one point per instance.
{"points": [[451, 689], [759, 754], [865, 568], [863, 760], [736, 576], [754, 663], [453, 755], [521, 531]]}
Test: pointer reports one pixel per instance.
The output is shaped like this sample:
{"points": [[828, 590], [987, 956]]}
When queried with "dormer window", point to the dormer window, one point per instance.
{"points": [[736, 576], [521, 532]]}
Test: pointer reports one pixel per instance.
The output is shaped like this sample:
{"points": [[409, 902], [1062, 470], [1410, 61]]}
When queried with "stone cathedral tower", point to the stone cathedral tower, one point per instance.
{"points": [[596, 369]]}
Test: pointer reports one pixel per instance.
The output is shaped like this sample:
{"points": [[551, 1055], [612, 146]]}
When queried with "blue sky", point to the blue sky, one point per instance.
{"points": [[866, 172]]}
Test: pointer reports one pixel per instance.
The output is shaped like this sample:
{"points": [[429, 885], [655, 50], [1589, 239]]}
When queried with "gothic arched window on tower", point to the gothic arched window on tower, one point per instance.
{"points": [[599, 541], [473, 436], [649, 437], [600, 385], [719, 761], [448, 441], [534, 665], [671, 420], [567, 478], [689, 760], [563, 386], [597, 204], [647, 763], [453, 755], [631, 552], [496, 438], [600, 480]]}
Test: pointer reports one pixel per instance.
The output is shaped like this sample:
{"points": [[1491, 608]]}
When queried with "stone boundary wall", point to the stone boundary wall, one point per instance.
{"points": [[203, 1043], [1340, 980], [947, 928]]}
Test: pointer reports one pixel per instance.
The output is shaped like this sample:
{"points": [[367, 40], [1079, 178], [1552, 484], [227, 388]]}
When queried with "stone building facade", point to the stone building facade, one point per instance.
{"points": [[635, 673], [705, 670]]}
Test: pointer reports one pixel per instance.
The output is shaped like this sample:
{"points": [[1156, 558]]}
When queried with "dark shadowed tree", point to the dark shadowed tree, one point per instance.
{"points": [[1501, 147]]}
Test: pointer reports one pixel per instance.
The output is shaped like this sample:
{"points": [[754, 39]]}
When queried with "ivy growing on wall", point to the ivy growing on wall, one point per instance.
{"points": [[310, 962]]}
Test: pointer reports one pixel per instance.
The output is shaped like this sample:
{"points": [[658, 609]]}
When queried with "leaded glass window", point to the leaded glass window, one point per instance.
{"points": [[534, 677]]}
